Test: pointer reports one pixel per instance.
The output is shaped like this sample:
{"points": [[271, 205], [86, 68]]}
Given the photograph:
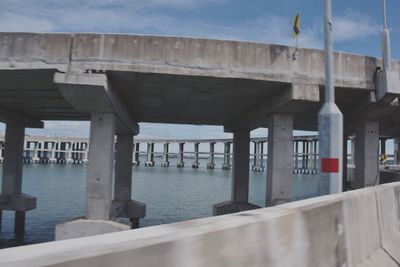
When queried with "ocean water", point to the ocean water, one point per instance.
{"points": [[171, 195]]}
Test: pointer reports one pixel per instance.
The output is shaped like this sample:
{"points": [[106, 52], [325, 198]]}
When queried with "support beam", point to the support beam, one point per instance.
{"points": [[195, 164], [100, 171], [367, 154], [227, 156], [294, 93], [211, 163], [94, 93], [12, 167], [165, 162], [383, 146], [136, 162], [123, 167], [240, 177], [258, 158], [345, 182], [396, 151], [240, 172], [181, 162], [150, 155], [280, 159], [123, 205], [11, 196], [99, 183]]}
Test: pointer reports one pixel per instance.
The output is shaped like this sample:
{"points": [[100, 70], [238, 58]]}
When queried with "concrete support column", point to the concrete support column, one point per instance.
{"points": [[316, 145], [195, 164], [53, 158], [99, 205], [69, 152], [383, 146], [396, 151], [258, 157], [240, 172], [136, 162], [262, 156], [211, 164], [150, 155], [123, 167], [1, 152], [165, 162], [280, 159], [181, 162], [227, 156], [123, 205], [307, 157], [345, 180], [353, 151], [367, 154], [11, 197], [296, 156], [35, 153], [383, 157], [240, 177], [99, 177], [255, 157], [85, 155]]}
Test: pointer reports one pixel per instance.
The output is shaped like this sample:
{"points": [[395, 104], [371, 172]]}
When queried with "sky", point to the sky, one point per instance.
{"points": [[356, 25]]}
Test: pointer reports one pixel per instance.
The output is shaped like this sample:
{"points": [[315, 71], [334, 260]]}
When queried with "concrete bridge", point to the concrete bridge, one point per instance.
{"points": [[117, 81], [67, 150]]}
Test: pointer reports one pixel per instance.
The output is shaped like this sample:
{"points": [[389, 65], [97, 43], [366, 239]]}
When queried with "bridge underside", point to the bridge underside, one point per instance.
{"points": [[178, 99]]}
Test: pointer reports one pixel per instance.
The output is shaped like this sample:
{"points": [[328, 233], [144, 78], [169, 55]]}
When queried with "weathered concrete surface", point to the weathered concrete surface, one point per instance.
{"points": [[180, 80], [84, 228], [389, 217], [366, 154], [280, 159], [346, 229], [100, 171]]}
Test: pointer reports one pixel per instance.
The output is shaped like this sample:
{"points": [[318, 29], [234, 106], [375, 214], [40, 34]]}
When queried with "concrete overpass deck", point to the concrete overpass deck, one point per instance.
{"points": [[183, 80]]}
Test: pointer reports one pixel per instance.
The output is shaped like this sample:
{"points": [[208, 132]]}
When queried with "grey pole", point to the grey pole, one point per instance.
{"points": [[330, 120], [386, 57]]}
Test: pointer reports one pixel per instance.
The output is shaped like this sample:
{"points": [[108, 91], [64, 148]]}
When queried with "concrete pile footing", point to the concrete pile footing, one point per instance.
{"points": [[358, 228]]}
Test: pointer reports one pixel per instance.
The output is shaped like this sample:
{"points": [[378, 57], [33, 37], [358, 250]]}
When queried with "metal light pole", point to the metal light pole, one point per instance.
{"points": [[386, 57], [330, 120]]}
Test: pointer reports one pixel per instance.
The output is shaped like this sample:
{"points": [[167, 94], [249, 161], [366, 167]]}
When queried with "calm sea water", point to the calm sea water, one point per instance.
{"points": [[171, 195]]}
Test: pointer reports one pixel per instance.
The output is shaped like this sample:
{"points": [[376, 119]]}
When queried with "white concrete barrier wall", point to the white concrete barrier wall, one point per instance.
{"points": [[389, 218], [358, 228]]}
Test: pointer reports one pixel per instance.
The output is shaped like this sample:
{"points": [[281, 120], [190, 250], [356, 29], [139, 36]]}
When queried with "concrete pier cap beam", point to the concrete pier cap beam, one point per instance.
{"points": [[388, 85]]}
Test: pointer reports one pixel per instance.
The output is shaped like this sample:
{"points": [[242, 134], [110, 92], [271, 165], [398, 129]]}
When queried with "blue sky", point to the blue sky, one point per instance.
{"points": [[357, 27]]}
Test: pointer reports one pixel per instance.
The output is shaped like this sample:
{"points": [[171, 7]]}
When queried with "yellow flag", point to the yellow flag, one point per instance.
{"points": [[296, 26]]}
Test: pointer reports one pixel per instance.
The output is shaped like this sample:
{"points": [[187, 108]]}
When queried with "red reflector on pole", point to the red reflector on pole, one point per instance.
{"points": [[330, 165]]}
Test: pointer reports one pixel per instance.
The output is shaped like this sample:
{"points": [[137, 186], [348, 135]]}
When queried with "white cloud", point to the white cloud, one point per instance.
{"points": [[148, 17], [352, 25]]}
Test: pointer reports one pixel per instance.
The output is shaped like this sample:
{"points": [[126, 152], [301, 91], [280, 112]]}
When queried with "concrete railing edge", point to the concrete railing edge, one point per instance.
{"points": [[193, 238]]}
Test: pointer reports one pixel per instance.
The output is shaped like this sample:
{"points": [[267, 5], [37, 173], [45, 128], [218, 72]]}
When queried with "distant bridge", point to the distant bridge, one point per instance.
{"points": [[67, 150]]}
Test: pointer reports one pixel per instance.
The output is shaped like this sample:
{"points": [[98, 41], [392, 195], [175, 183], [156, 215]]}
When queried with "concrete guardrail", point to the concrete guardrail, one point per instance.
{"points": [[357, 228]]}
